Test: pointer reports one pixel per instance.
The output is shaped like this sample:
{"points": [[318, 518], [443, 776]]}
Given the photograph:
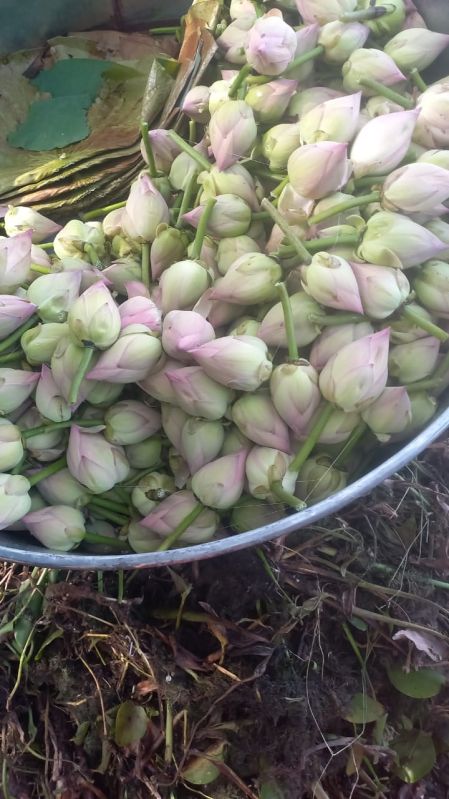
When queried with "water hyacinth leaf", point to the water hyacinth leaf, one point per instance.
{"points": [[419, 684], [363, 709], [202, 770], [416, 755], [131, 724]]}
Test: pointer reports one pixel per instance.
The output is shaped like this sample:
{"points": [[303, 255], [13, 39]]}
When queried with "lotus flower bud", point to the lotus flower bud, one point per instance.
{"points": [[46, 446], [414, 361], [238, 362], [62, 489], [55, 294], [102, 394], [219, 93], [182, 284], [94, 318], [122, 272], [269, 101], [304, 101], [15, 261], [382, 289], [208, 254], [112, 223], [220, 313], [168, 247], [18, 219], [95, 462], [15, 387], [65, 362], [416, 48], [332, 339], [331, 282], [57, 527], [142, 540], [388, 24], [315, 170], [244, 326], [272, 328], [256, 417], [432, 287], [279, 143], [404, 331], [394, 240], [319, 479], [416, 188], [251, 513], [196, 103], [164, 149], [140, 311], [382, 143], [235, 441], [230, 249], [11, 448], [306, 40], [184, 168], [80, 239], [146, 454], [145, 210], [150, 490], [232, 132], [14, 311], [323, 11], [250, 280], [49, 401], [357, 374], [198, 394], [265, 466], [201, 442], [295, 394], [391, 413], [173, 420], [15, 500], [183, 330], [369, 63], [338, 428], [378, 106], [271, 45], [219, 484], [441, 230], [233, 40], [436, 157], [179, 468], [164, 519], [340, 40], [157, 384], [135, 353], [130, 421], [231, 216], [39, 257], [277, 236], [242, 8], [335, 120], [423, 407], [236, 180], [432, 127]]}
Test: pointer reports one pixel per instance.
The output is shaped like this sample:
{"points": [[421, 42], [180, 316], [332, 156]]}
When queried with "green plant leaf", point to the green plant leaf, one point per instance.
{"points": [[131, 724], [363, 709], [416, 755], [419, 684], [271, 790], [202, 770]]}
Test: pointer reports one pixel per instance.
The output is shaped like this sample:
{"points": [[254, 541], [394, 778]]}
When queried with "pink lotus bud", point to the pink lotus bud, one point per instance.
{"points": [[164, 149], [415, 361], [256, 417], [323, 11], [230, 249], [388, 24], [208, 254], [15, 500], [382, 143], [142, 540], [378, 106], [238, 362], [18, 219], [15, 261], [140, 311], [319, 479], [231, 216], [146, 454], [250, 280], [150, 490], [184, 167], [416, 188], [40, 342], [335, 120], [173, 420], [201, 442], [39, 257], [272, 328], [416, 48], [62, 489], [182, 284], [219, 92], [331, 282], [135, 353], [339, 427], [315, 170], [244, 326], [293, 206], [391, 413], [382, 289], [14, 311], [168, 247], [404, 331], [265, 466], [394, 240], [130, 421], [101, 393], [65, 362], [373, 64], [436, 157], [332, 339], [55, 294], [196, 103], [57, 527], [46, 446], [236, 180], [269, 101], [95, 462], [11, 448], [279, 143], [145, 210], [198, 394], [235, 441], [165, 518], [94, 318], [295, 394], [49, 400], [112, 223], [233, 40], [441, 230], [432, 287], [242, 8], [277, 235], [357, 375], [80, 239], [340, 39], [157, 384], [15, 387], [271, 45], [302, 102], [120, 273], [306, 40], [219, 484], [183, 330], [423, 408], [219, 313], [232, 132]]}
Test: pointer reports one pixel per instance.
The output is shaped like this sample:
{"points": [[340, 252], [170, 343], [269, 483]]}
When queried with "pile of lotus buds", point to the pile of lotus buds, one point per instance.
{"points": [[268, 306]]}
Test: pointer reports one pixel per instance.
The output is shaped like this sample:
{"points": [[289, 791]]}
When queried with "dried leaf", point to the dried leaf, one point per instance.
{"points": [[434, 648], [419, 684]]}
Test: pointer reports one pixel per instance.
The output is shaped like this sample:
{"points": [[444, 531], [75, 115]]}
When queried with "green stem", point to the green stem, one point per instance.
{"points": [[417, 79], [285, 497], [374, 12], [83, 368], [42, 270], [187, 198], [307, 447], [11, 339], [424, 324], [277, 191], [316, 245], [96, 212], [239, 80], [192, 132], [180, 529], [48, 245], [288, 321], [355, 202], [11, 356], [349, 445], [429, 384], [258, 80], [52, 468], [370, 180], [108, 515], [202, 228], [290, 235], [260, 216], [338, 319], [382, 567], [148, 150], [146, 264], [186, 148], [385, 91], [108, 504], [113, 543], [92, 255], [49, 428], [168, 30], [304, 58]]}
